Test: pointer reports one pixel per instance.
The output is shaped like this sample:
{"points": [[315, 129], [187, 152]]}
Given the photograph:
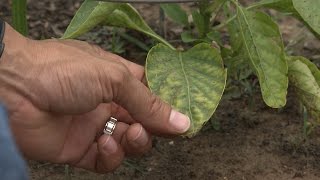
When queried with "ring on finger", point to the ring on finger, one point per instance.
{"points": [[110, 126]]}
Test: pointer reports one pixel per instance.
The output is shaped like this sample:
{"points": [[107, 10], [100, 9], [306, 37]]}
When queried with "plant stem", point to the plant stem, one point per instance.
{"points": [[67, 172], [162, 25], [253, 6], [134, 40], [19, 17], [206, 16], [160, 39], [222, 25]]}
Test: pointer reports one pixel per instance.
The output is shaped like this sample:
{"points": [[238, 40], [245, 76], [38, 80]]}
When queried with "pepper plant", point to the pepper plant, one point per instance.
{"points": [[193, 80]]}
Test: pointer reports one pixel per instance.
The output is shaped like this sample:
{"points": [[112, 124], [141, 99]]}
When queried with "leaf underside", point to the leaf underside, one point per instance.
{"points": [[192, 81]]}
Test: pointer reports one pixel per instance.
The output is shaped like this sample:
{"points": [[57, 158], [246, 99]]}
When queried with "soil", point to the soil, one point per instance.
{"points": [[239, 142]]}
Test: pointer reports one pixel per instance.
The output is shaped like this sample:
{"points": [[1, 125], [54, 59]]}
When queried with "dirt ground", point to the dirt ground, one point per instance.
{"points": [[246, 144]]}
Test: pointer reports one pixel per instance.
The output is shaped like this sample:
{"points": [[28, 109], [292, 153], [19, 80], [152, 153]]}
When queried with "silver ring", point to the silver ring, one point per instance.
{"points": [[110, 126]]}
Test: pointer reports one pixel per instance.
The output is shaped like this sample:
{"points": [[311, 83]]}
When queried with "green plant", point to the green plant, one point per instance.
{"points": [[193, 81], [19, 17]]}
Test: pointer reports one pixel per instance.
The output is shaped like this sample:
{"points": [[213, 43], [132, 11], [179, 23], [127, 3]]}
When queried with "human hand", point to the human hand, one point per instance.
{"points": [[60, 93]]}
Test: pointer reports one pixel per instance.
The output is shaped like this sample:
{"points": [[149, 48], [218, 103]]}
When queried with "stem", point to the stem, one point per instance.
{"points": [[162, 25], [206, 17], [134, 40], [257, 5], [114, 32], [19, 17], [160, 39], [254, 6], [67, 172], [222, 25]]}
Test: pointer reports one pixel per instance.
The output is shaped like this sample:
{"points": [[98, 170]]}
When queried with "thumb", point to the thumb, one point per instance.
{"points": [[148, 109]]}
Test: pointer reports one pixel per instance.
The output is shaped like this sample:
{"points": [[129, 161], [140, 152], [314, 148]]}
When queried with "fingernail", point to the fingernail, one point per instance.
{"points": [[110, 146], [179, 121], [142, 138]]}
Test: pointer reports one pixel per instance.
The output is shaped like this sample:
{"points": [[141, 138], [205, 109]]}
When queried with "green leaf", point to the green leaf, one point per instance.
{"points": [[214, 36], [176, 13], [127, 16], [309, 12], [305, 11], [192, 81], [188, 37], [305, 78], [214, 6], [199, 22], [285, 6], [90, 14], [263, 48]]}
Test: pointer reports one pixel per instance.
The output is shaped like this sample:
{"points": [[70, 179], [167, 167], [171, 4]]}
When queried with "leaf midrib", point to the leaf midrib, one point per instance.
{"points": [[188, 87], [255, 47]]}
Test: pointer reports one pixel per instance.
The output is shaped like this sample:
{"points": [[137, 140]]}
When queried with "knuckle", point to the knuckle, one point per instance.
{"points": [[117, 76], [120, 74], [96, 49]]}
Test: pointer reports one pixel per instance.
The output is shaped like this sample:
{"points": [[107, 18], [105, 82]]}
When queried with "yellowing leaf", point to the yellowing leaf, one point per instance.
{"points": [[305, 78], [263, 48], [192, 81]]}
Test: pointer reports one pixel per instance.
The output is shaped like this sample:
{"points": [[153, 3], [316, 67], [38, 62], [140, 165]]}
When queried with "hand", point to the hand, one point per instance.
{"points": [[60, 94]]}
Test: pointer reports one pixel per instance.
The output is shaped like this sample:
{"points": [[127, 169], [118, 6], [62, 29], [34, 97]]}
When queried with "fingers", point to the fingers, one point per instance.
{"points": [[110, 154], [136, 141], [120, 130], [102, 157], [107, 154], [119, 113], [143, 106]]}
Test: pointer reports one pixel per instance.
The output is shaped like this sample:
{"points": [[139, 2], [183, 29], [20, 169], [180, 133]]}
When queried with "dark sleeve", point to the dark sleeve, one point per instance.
{"points": [[12, 166]]}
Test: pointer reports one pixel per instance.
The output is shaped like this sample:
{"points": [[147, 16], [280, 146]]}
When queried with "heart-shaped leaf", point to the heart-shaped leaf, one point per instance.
{"points": [[90, 14], [310, 13], [305, 78], [263, 48], [192, 81]]}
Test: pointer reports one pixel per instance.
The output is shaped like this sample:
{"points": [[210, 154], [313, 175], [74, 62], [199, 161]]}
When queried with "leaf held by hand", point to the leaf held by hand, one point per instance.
{"points": [[192, 81]]}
